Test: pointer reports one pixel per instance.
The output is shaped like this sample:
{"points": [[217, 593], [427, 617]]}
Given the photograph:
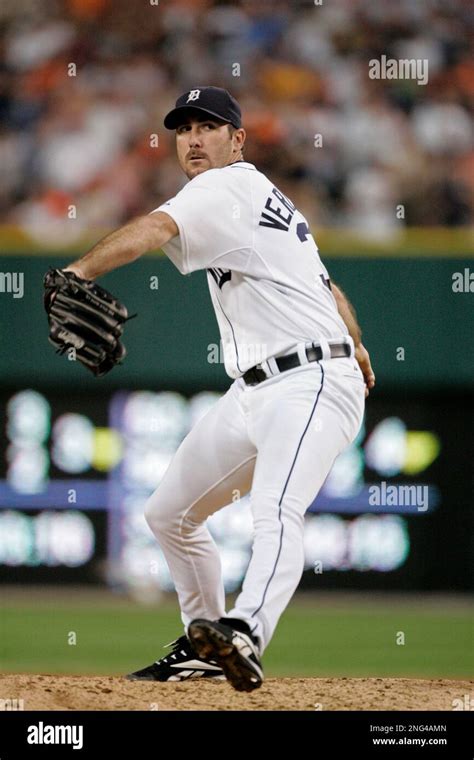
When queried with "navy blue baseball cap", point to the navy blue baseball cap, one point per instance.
{"points": [[214, 101]]}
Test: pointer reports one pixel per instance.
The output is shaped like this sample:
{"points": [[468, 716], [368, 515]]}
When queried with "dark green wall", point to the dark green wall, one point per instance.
{"points": [[402, 302]]}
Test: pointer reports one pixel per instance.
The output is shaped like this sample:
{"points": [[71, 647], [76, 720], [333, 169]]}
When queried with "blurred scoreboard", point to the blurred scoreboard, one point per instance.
{"points": [[76, 470]]}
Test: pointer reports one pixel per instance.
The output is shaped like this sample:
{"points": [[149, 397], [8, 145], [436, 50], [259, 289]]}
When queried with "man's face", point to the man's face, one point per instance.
{"points": [[204, 143]]}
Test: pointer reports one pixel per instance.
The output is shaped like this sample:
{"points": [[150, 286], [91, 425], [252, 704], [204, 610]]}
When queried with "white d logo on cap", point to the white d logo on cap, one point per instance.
{"points": [[193, 95]]}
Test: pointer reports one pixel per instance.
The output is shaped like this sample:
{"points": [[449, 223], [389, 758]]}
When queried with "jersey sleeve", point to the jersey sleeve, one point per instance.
{"points": [[210, 213]]}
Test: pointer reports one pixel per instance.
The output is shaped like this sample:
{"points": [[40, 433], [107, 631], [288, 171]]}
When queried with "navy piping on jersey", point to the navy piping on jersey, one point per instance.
{"points": [[233, 334], [283, 493]]}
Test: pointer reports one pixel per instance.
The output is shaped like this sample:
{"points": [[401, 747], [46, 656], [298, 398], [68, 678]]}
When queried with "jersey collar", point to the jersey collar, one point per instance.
{"points": [[241, 164]]}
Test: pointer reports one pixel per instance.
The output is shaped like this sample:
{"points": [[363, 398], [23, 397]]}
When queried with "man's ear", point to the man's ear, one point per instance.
{"points": [[244, 135]]}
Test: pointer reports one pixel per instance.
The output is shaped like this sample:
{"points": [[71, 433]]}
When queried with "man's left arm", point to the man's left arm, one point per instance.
{"points": [[347, 312]]}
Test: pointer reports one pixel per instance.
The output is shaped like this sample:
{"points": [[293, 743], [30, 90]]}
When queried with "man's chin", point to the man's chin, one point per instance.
{"points": [[193, 171]]}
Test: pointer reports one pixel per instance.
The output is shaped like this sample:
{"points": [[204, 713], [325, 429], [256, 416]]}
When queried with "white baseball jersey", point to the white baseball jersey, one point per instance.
{"points": [[269, 288]]}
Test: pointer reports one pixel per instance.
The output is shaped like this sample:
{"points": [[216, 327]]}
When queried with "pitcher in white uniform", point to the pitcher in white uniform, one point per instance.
{"points": [[292, 347]]}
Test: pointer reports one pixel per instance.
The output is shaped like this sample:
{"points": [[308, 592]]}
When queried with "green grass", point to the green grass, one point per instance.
{"points": [[313, 638], [353, 643]]}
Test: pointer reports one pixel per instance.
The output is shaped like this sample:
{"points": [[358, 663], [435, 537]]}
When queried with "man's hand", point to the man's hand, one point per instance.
{"points": [[363, 358], [86, 318]]}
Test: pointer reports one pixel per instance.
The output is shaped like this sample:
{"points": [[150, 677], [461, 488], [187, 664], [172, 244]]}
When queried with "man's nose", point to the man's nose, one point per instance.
{"points": [[195, 137]]}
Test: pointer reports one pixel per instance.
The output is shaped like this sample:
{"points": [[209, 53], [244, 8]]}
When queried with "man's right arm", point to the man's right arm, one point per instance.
{"points": [[347, 312], [145, 233]]}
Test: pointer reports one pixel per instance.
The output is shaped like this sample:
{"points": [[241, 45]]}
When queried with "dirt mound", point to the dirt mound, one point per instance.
{"points": [[48, 692]]}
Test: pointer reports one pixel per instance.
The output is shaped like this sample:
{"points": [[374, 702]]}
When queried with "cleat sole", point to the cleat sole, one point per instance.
{"points": [[211, 643]]}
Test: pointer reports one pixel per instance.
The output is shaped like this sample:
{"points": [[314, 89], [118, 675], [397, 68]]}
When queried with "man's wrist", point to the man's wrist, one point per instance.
{"points": [[76, 270]]}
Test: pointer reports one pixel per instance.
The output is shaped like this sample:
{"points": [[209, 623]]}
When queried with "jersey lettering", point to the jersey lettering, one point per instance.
{"points": [[280, 215], [268, 285], [326, 281], [302, 230]]}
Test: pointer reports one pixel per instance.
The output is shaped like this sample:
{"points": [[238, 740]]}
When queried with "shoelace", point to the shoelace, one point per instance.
{"points": [[180, 644]]}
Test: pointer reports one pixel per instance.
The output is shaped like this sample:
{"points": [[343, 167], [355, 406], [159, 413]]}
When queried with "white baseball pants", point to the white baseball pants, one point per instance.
{"points": [[277, 439]]}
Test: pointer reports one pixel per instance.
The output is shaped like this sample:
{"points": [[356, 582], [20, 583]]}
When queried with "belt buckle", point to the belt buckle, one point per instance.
{"points": [[315, 347]]}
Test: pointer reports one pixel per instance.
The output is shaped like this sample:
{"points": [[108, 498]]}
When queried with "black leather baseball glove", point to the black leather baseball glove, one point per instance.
{"points": [[85, 317]]}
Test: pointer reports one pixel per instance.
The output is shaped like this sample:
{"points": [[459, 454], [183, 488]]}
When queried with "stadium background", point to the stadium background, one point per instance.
{"points": [[84, 86]]}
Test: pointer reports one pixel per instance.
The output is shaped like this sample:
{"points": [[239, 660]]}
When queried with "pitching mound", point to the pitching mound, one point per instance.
{"points": [[47, 692]]}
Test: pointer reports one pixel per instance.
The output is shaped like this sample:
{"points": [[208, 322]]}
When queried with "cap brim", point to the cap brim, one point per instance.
{"points": [[178, 116]]}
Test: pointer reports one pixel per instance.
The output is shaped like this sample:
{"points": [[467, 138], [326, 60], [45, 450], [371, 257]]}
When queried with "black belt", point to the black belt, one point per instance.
{"points": [[314, 353]]}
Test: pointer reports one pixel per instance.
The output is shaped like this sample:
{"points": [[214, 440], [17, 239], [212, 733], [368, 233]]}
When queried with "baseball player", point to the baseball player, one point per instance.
{"points": [[300, 375]]}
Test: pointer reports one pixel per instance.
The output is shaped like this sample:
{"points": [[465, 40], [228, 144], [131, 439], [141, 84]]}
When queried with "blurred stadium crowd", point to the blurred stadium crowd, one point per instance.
{"points": [[82, 134]]}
